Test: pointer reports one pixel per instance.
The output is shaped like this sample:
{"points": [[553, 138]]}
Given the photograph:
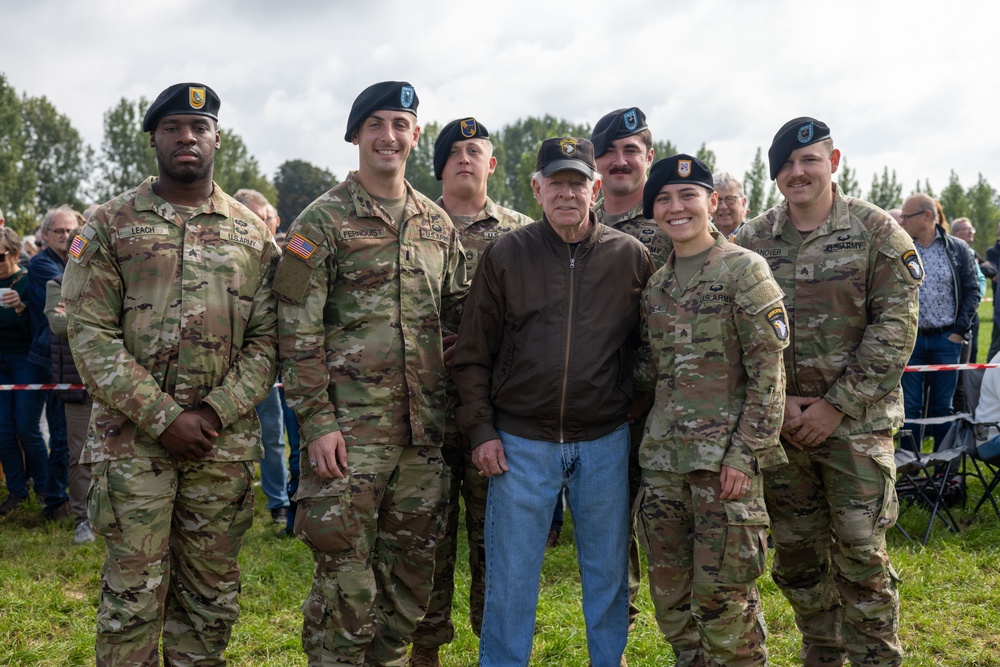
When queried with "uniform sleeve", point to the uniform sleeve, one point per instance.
{"points": [[644, 371], [53, 297], [762, 326], [305, 273], [455, 287], [879, 360], [93, 291], [479, 339], [251, 373]]}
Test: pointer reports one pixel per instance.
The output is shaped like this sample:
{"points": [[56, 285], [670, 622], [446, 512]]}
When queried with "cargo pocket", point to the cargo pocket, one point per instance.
{"points": [[99, 508], [745, 554], [889, 510], [242, 517]]}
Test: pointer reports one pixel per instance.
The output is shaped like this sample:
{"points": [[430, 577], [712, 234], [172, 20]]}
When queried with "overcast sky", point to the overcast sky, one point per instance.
{"points": [[910, 85]]}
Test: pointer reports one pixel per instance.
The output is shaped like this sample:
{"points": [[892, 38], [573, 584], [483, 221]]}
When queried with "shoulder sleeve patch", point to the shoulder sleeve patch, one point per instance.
{"points": [[898, 248], [757, 291], [304, 253]]}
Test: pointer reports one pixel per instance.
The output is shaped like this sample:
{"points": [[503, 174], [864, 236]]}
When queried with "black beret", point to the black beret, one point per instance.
{"points": [[390, 95], [182, 98], [679, 168], [796, 133], [566, 153], [456, 130], [618, 124]]}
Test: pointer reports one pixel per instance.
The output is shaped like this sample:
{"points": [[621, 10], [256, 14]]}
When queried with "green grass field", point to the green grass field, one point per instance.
{"points": [[48, 595]]}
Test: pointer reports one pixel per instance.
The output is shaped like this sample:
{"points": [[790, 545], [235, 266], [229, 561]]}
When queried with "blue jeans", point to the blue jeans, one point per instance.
{"points": [[57, 481], [518, 516], [20, 419], [931, 350], [273, 474]]}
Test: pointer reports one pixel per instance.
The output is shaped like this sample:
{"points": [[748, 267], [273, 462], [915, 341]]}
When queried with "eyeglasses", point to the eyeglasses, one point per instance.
{"points": [[906, 216], [61, 232], [731, 200], [3, 256]]}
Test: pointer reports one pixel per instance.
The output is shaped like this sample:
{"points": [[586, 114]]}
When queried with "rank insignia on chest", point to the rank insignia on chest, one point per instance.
{"points": [[77, 247], [301, 246], [776, 317], [913, 264]]}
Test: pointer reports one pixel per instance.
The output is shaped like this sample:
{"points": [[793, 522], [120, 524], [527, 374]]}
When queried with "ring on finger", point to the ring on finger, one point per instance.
{"points": [[313, 463]]}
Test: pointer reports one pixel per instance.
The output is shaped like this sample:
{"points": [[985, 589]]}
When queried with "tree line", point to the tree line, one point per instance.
{"points": [[44, 162]]}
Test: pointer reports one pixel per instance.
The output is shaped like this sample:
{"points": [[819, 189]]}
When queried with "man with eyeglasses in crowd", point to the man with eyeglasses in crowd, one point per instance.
{"points": [[949, 297], [732, 211]]}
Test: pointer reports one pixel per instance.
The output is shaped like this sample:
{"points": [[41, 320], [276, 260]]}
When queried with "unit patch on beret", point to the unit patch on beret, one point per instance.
{"points": [[631, 119], [196, 97], [468, 127], [806, 133], [406, 96], [684, 168]]}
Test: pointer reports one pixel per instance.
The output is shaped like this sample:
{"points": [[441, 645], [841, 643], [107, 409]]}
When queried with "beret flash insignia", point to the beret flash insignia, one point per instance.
{"points": [[468, 127], [631, 119], [196, 97], [806, 133], [684, 168], [406, 97]]}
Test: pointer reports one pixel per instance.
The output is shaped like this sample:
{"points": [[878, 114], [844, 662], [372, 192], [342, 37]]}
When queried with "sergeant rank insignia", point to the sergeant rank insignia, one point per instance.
{"points": [[196, 97], [468, 127], [776, 316], [301, 246]]}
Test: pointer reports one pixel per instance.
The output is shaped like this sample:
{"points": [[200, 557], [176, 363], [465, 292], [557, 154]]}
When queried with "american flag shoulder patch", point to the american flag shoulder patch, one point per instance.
{"points": [[77, 246], [301, 246]]}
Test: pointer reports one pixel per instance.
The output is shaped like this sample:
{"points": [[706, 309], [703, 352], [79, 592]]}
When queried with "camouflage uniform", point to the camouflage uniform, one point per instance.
{"points": [[635, 224], [851, 293], [167, 315], [363, 304], [659, 246], [437, 628], [713, 350]]}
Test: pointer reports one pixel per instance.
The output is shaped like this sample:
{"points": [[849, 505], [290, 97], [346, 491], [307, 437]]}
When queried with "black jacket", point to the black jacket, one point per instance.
{"points": [[964, 282], [544, 351]]}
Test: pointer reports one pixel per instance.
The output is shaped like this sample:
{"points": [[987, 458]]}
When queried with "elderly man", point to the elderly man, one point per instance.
{"points": [[732, 210], [371, 276], [949, 297], [545, 381], [172, 325], [850, 278], [463, 161], [50, 262]]}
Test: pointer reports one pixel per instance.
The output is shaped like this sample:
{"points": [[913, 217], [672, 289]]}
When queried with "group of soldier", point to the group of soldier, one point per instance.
{"points": [[686, 377]]}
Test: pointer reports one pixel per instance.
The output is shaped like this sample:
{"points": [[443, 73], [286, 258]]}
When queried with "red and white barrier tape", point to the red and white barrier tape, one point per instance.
{"points": [[948, 367]]}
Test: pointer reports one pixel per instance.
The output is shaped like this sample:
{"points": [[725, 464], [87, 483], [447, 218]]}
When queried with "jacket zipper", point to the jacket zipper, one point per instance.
{"points": [[569, 340]]}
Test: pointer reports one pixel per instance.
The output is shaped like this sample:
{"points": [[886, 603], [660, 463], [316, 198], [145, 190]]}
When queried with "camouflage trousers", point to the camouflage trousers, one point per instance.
{"points": [[373, 535], [830, 508], [705, 555], [172, 531], [437, 627]]}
